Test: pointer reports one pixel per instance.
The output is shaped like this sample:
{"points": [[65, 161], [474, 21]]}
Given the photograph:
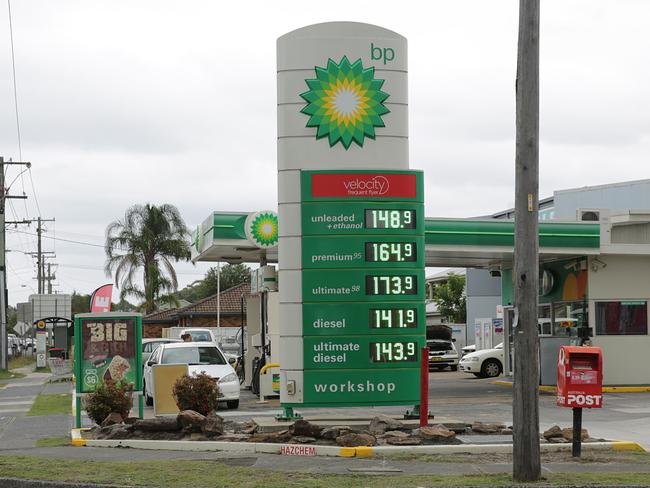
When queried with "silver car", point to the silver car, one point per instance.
{"points": [[150, 345]]}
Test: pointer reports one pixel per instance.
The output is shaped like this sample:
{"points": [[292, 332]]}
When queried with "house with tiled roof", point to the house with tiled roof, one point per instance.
{"points": [[204, 313]]}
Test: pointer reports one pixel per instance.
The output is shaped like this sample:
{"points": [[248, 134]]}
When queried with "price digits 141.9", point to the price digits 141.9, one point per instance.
{"points": [[376, 218], [393, 352], [391, 285], [385, 252], [393, 318]]}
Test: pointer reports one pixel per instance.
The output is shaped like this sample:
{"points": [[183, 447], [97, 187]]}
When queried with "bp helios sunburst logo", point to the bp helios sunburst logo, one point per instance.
{"points": [[345, 102], [262, 229]]}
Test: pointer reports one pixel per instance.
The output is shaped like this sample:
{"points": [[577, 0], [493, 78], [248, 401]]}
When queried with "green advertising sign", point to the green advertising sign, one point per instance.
{"points": [[362, 352], [399, 386], [363, 251], [376, 319], [360, 218], [108, 348], [354, 285]]}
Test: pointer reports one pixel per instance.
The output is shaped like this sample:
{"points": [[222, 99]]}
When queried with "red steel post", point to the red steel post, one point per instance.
{"points": [[424, 386]]}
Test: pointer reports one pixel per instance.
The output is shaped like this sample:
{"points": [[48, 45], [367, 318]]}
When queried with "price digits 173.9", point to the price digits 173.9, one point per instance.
{"points": [[393, 352], [377, 218], [391, 285], [393, 318]]}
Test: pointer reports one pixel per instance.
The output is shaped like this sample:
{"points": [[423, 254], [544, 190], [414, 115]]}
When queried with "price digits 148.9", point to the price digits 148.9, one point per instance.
{"points": [[376, 218]]}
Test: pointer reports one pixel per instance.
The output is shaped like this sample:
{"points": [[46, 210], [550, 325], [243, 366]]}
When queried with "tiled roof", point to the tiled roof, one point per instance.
{"points": [[161, 316], [230, 302]]}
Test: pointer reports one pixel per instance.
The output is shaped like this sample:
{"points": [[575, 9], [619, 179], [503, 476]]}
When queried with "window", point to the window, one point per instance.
{"points": [[193, 355], [622, 318]]}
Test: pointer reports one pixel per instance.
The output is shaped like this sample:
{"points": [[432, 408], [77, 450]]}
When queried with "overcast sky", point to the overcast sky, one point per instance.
{"points": [[128, 102]]}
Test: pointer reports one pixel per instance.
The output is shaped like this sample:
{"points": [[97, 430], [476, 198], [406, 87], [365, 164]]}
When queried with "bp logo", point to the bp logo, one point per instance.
{"points": [[262, 229], [345, 102]]}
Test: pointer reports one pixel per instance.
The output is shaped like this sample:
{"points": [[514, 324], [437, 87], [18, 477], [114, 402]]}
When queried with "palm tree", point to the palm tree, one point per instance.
{"points": [[147, 239]]}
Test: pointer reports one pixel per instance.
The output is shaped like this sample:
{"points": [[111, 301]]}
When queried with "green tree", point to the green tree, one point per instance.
{"points": [[231, 275], [80, 303], [147, 240], [450, 299]]}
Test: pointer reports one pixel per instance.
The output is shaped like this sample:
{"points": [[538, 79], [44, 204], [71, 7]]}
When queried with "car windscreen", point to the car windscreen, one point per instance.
{"points": [[439, 346], [193, 356], [200, 336]]}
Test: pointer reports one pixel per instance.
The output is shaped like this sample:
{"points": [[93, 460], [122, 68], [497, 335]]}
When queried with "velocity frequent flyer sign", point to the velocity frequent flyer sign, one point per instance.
{"points": [[384, 185]]}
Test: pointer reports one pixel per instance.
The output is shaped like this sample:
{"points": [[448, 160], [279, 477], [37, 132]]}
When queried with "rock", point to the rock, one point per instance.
{"points": [[506, 431], [396, 433], [195, 436], [280, 436], [131, 420], [159, 436], [112, 419], [212, 425], [436, 433], [302, 427], [356, 440], [249, 427], [557, 440], [482, 428], [553, 432], [190, 420], [302, 439], [234, 437], [158, 424], [332, 433], [382, 423], [115, 431], [568, 434], [404, 441]]}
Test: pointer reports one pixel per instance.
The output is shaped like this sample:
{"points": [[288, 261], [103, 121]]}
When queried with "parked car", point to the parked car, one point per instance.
{"points": [[150, 345], [467, 349], [442, 354], [199, 335], [200, 357], [486, 363]]}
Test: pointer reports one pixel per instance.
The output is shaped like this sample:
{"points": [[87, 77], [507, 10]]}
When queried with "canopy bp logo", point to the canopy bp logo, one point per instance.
{"points": [[345, 102], [262, 229]]}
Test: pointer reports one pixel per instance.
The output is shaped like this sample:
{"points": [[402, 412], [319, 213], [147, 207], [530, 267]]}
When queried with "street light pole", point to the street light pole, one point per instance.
{"points": [[525, 409]]}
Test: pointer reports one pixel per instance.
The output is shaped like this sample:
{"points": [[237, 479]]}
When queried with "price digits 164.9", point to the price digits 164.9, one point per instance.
{"points": [[391, 285], [393, 318], [385, 252], [376, 218], [393, 352]]}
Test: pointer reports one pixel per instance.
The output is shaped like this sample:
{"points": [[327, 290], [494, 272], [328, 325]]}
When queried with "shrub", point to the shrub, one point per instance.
{"points": [[199, 392], [107, 398]]}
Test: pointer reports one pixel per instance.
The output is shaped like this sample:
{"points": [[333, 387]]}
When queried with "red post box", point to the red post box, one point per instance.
{"points": [[580, 377]]}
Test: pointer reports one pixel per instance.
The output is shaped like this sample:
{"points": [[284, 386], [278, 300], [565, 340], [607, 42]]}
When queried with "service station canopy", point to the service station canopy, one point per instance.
{"points": [[472, 243]]}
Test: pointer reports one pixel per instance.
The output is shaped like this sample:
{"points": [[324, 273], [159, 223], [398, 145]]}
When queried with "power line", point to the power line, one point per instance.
{"points": [[38, 207], [64, 240], [13, 66]]}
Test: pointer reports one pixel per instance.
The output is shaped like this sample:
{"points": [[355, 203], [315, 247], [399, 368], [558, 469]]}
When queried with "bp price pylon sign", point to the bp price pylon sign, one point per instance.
{"points": [[363, 313]]}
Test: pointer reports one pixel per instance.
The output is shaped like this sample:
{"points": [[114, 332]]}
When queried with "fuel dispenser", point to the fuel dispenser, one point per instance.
{"points": [[579, 384]]}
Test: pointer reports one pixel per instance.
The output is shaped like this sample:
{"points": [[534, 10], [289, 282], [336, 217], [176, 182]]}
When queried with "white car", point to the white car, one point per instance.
{"points": [[486, 363], [442, 353], [200, 357], [199, 335]]}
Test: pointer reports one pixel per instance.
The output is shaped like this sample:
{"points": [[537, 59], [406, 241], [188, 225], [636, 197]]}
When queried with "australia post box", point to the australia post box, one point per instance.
{"points": [[580, 377]]}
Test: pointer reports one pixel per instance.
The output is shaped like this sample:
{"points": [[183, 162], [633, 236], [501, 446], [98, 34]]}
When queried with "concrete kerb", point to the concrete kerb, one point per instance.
{"points": [[335, 451], [606, 389]]}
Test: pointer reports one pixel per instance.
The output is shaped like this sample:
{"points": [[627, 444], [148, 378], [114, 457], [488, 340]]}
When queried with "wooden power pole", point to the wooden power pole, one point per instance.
{"points": [[526, 460]]}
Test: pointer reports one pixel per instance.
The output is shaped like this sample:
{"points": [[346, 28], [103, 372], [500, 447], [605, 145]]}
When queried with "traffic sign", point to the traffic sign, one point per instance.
{"points": [[41, 326]]}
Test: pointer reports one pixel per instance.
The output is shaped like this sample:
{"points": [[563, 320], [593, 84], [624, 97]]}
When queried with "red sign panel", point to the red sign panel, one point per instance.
{"points": [[363, 185]]}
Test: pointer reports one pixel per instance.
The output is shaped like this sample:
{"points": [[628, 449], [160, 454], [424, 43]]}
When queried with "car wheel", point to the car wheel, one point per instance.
{"points": [[147, 399], [453, 367], [232, 404], [491, 368]]}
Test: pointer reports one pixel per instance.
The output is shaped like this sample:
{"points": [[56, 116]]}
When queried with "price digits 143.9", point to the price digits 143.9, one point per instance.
{"points": [[393, 352]]}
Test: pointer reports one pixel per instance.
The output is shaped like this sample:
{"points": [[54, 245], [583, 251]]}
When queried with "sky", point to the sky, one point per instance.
{"points": [[128, 102]]}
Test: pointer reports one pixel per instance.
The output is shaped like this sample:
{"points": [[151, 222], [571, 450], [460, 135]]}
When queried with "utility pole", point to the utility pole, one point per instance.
{"points": [[4, 342], [39, 259], [49, 278], [526, 462]]}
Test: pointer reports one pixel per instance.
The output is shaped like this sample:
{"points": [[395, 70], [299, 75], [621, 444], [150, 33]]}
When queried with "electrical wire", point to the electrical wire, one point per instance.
{"points": [[38, 207], [13, 66]]}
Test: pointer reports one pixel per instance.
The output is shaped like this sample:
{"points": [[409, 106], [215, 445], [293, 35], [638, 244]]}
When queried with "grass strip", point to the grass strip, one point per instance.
{"points": [[21, 362], [10, 375], [51, 404], [53, 441], [211, 474]]}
